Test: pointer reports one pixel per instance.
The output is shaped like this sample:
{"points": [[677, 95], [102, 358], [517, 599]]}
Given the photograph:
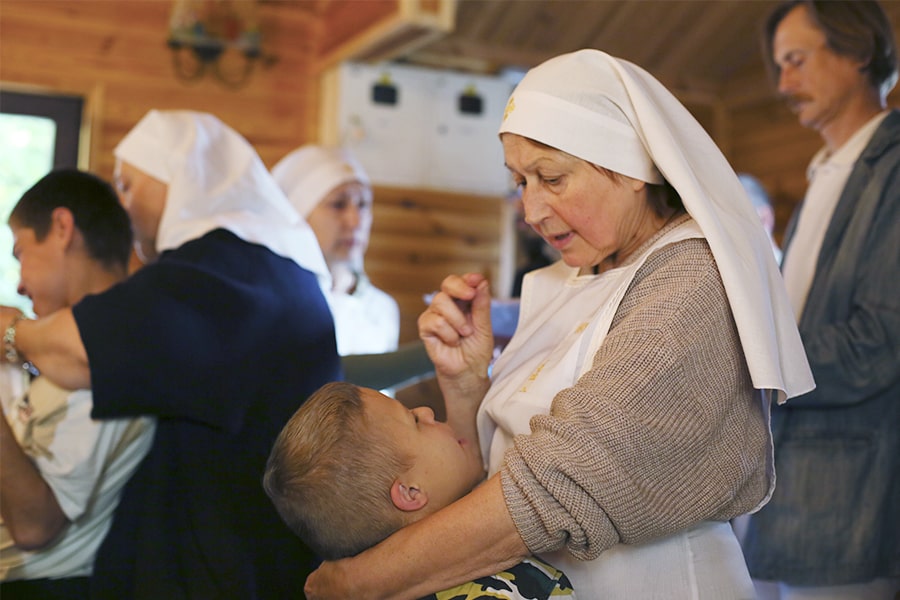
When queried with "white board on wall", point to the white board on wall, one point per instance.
{"points": [[423, 140]]}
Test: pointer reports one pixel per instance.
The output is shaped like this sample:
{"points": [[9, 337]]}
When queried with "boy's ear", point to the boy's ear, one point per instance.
{"points": [[62, 224], [407, 497]]}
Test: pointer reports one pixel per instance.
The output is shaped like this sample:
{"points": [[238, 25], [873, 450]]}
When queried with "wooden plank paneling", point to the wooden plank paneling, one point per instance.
{"points": [[344, 19], [768, 142], [421, 236], [418, 237], [116, 52], [67, 46]]}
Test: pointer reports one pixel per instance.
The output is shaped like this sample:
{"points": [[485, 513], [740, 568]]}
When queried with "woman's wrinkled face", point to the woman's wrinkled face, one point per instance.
{"points": [[590, 218], [144, 197], [342, 220]]}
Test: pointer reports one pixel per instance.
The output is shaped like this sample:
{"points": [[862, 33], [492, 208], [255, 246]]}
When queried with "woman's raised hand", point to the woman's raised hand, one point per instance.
{"points": [[456, 327]]}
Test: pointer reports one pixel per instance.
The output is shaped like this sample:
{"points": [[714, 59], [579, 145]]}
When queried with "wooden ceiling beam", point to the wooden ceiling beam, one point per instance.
{"points": [[380, 30]]}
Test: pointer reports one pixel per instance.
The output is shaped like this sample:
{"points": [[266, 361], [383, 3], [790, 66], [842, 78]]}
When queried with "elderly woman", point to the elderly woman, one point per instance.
{"points": [[221, 335], [331, 190], [627, 420]]}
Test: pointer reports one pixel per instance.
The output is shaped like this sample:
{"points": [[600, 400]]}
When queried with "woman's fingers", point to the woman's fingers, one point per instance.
{"points": [[434, 327]]}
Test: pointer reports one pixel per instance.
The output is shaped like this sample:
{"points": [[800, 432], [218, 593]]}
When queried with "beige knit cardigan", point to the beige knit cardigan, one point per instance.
{"points": [[664, 431]]}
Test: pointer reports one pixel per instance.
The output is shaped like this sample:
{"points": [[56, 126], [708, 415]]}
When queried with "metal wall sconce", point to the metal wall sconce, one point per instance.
{"points": [[202, 32]]}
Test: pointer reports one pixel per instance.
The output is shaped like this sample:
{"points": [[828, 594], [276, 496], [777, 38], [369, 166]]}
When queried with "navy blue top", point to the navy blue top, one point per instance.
{"points": [[221, 340]]}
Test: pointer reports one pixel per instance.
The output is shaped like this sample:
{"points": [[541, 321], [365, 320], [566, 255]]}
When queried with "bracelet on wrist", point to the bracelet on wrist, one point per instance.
{"points": [[10, 352], [30, 368]]}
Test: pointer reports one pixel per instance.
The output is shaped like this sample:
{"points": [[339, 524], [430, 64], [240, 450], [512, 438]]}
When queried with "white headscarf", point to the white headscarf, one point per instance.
{"points": [[309, 173], [614, 114], [216, 180]]}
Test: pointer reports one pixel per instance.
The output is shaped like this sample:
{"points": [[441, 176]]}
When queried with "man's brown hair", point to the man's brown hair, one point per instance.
{"points": [[857, 29]]}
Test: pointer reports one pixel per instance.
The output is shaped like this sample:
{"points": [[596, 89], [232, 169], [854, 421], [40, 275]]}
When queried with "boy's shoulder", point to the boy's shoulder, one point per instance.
{"points": [[531, 579]]}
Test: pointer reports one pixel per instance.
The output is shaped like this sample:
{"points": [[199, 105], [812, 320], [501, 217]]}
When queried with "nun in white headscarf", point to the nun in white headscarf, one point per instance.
{"points": [[331, 190], [627, 421], [220, 334], [214, 179]]}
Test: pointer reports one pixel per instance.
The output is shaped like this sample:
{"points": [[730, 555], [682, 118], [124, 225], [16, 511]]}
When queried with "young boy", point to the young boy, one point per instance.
{"points": [[353, 465], [62, 472]]}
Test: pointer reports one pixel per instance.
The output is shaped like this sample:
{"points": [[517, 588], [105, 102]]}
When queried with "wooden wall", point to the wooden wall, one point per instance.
{"points": [[765, 139], [420, 236], [768, 142], [115, 53]]}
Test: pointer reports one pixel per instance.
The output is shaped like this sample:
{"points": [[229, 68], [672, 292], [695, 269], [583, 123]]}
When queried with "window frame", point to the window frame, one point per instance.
{"points": [[32, 100], [72, 111]]}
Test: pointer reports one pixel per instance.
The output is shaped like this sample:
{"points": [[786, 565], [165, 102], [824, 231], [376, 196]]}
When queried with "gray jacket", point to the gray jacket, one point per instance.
{"points": [[835, 515]]}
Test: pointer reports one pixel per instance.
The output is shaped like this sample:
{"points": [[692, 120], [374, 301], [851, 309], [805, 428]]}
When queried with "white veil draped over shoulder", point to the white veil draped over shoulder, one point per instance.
{"points": [[614, 114]]}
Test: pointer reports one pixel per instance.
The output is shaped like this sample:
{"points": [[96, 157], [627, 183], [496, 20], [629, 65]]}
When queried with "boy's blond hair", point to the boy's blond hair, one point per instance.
{"points": [[330, 474]]}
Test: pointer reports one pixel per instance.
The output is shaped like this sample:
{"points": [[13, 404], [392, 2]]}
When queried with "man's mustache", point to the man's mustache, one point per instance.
{"points": [[795, 100]]}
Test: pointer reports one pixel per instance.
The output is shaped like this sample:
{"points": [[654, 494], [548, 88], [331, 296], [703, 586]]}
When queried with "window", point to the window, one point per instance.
{"points": [[40, 132]]}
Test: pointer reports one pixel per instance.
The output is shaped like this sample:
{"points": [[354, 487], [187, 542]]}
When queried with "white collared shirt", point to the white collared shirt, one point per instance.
{"points": [[827, 174]]}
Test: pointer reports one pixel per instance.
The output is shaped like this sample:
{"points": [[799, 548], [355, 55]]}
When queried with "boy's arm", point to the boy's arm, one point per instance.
{"points": [[29, 508], [53, 343]]}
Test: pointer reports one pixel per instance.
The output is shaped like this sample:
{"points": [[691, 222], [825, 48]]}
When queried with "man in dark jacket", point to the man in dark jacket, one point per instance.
{"points": [[833, 524]]}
